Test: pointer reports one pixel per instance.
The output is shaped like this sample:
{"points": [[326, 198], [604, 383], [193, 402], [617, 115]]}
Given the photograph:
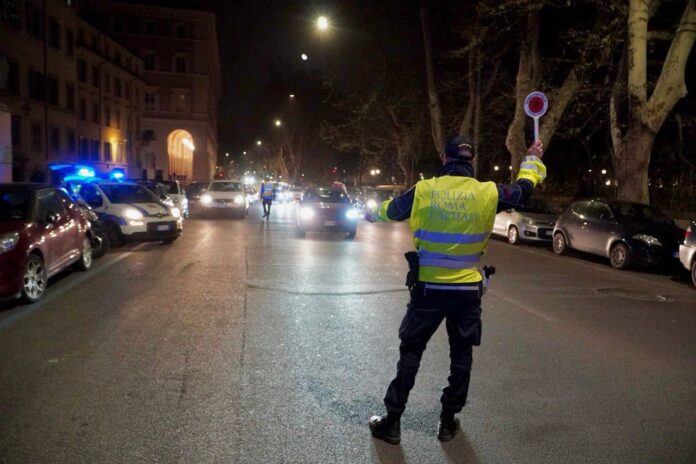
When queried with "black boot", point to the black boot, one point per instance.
{"points": [[387, 428], [448, 427]]}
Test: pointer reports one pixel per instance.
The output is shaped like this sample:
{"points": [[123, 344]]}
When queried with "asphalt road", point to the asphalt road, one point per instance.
{"points": [[241, 343]]}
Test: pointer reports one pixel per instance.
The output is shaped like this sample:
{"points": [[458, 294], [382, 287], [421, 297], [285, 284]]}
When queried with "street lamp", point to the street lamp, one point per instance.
{"points": [[322, 23], [304, 57], [278, 123], [496, 168], [292, 95], [258, 142], [227, 155]]}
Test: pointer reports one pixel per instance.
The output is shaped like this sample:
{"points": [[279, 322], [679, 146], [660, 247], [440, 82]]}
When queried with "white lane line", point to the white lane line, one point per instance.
{"points": [[539, 314], [29, 309]]}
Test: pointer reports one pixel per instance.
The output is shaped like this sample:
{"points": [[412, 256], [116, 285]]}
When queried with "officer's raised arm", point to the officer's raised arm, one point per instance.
{"points": [[531, 174]]}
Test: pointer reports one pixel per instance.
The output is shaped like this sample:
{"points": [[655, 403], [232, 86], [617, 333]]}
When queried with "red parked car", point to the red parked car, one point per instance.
{"points": [[42, 232]]}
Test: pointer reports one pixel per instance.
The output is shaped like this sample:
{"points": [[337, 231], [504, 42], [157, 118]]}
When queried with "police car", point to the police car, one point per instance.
{"points": [[130, 211]]}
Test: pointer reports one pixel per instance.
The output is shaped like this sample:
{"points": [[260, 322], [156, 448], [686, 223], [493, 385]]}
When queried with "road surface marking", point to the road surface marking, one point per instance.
{"points": [[29, 309], [534, 312]]}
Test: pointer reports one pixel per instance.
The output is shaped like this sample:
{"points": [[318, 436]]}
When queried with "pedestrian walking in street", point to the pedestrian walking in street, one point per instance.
{"points": [[451, 217], [266, 194]]}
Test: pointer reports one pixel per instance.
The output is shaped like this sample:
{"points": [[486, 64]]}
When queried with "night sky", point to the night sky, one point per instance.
{"points": [[262, 38]]}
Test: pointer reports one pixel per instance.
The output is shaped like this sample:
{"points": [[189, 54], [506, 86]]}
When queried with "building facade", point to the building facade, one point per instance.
{"points": [[61, 111], [181, 67]]}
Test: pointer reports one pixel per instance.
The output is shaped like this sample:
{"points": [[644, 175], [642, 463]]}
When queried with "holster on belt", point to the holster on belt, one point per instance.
{"points": [[413, 265]]}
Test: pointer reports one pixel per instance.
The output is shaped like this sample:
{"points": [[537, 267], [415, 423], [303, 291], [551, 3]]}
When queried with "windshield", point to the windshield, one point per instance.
{"points": [[14, 204], [634, 212], [128, 193], [196, 187], [326, 196], [225, 187], [534, 206], [170, 187]]}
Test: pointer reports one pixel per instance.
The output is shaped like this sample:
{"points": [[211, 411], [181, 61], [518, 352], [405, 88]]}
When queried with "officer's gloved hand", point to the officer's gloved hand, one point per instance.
{"points": [[371, 216]]}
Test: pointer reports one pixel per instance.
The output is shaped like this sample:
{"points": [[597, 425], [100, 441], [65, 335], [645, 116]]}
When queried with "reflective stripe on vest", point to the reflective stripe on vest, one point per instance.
{"points": [[267, 190], [451, 220]]}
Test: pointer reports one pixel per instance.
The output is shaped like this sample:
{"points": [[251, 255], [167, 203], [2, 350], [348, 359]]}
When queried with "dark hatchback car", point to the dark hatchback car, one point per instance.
{"points": [[323, 209], [42, 232], [627, 233]]}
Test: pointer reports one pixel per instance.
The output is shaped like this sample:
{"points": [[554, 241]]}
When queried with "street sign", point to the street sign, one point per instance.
{"points": [[535, 105]]}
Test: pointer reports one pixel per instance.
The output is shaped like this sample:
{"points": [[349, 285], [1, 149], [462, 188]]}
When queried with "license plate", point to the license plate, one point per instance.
{"points": [[164, 227], [222, 205], [329, 223]]}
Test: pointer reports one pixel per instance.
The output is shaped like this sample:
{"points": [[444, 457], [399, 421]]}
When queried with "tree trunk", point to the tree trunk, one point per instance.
{"points": [[632, 151], [527, 76], [632, 165], [433, 97]]}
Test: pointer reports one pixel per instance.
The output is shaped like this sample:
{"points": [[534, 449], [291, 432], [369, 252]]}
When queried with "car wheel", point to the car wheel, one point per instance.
{"points": [[513, 235], [693, 272], [620, 256], [35, 280], [85, 261], [101, 244], [351, 234], [113, 231], [560, 246]]}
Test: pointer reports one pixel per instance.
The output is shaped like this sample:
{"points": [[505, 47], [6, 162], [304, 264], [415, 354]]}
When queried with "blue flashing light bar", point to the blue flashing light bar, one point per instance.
{"points": [[85, 172], [118, 174]]}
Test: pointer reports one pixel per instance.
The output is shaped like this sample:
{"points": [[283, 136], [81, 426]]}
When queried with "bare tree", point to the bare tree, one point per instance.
{"points": [[633, 146]]}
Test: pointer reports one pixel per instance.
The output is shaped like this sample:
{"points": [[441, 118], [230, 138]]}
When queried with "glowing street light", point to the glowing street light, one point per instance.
{"points": [[604, 171], [292, 95], [227, 155], [304, 57], [278, 123], [258, 142], [322, 23], [244, 153], [496, 168]]}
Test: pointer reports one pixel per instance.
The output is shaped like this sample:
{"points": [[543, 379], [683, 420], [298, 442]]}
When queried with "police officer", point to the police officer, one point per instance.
{"points": [[266, 193], [451, 217]]}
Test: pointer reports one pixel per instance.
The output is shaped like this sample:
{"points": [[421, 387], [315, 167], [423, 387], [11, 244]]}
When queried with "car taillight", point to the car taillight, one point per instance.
{"points": [[687, 234]]}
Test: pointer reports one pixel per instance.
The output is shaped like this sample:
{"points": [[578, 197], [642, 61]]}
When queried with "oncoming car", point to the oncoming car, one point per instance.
{"points": [[130, 211], [323, 209], [226, 196]]}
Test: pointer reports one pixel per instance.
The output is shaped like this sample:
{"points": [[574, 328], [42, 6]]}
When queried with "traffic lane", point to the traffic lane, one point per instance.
{"points": [[544, 341], [126, 368], [653, 314], [12, 310], [635, 356]]}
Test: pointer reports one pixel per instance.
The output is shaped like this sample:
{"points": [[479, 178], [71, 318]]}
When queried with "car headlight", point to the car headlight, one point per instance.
{"points": [[649, 239], [239, 199], [528, 221], [206, 199], [176, 212], [352, 214], [306, 213], [371, 204], [133, 214], [8, 241]]}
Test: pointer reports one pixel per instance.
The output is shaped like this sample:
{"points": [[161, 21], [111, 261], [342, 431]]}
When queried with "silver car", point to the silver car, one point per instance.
{"points": [[532, 222]]}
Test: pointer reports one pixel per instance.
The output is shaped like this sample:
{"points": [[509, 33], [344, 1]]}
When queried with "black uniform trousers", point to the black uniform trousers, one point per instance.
{"points": [[460, 305]]}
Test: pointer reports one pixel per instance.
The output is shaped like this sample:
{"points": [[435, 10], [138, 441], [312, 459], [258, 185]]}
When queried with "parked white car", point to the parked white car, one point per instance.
{"points": [[176, 192], [130, 211], [687, 251], [227, 196], [533, 222]]}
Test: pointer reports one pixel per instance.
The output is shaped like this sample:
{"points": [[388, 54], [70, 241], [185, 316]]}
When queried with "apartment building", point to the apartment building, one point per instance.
{"points": [[179, 50], [74, 94]]}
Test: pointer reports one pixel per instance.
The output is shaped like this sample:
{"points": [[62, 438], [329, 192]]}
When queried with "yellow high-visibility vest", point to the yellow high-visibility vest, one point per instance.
{"points": [[451, 219]]}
